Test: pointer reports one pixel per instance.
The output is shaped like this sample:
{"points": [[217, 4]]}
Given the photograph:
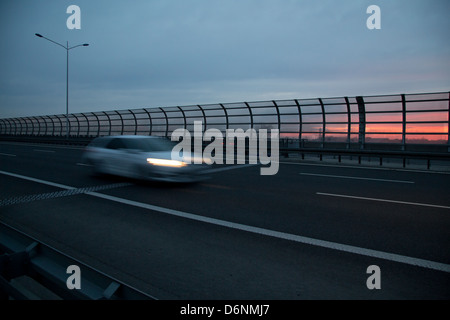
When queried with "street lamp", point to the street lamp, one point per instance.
{"points": [[67, 75]]}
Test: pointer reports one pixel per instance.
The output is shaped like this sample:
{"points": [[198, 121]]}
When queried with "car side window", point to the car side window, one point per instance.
{"points": [[115, 144], [135, 144]]}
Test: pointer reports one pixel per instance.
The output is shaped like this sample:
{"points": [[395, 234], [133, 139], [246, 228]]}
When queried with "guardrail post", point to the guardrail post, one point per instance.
{"points": [[39, 125], [121, 121], [204, 115], [184, 117], [167, 122], [300, 124], [98, 123], [78, 125], [349, 122], [448, 124], [226, 116], [32, 126], [68, 126], [12, 125], [109, 122], [87, 124], [61, 125], [251, 114], [323, 122], [278, 115], [403, 122], [362, 121], [150, 122], [9, 126], [135, 122], [26, 125], [46, 127]]}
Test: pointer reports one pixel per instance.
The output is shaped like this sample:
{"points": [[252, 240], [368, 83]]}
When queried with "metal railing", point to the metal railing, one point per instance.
{"points": [[24, 256], [395, 122]]}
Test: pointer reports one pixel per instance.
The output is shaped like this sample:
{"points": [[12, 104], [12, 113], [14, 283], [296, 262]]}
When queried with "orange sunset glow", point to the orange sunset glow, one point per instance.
{"points": [[420, 127]]}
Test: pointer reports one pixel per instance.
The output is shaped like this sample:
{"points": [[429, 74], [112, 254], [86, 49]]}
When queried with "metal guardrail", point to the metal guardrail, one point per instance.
{"points": [[22, 255], [376, 156], [388, 121]]}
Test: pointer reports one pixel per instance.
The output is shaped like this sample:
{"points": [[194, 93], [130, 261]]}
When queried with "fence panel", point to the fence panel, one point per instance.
{"points": [[399, 121]]}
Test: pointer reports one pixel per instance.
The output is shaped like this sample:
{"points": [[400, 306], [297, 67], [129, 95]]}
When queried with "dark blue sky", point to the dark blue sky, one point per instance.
{"points": [[157, 53]]}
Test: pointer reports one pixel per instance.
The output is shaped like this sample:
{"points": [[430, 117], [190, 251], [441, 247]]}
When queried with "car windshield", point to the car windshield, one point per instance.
{"points": [[150, 144]]}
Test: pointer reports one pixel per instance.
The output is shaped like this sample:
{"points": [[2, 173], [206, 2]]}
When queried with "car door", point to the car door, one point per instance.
{"points": [[116, 156]]}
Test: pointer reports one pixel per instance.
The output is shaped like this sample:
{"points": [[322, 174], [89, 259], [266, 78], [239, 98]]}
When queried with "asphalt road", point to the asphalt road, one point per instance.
{"points": [[309, 232]]}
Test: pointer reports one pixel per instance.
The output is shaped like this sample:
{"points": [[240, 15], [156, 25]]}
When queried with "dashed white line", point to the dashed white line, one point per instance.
{"points": [[383, 200], [356, 178], [364, 167], [53, 184]]}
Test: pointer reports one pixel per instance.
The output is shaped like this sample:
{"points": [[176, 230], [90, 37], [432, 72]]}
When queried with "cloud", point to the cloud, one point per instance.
{"points": [[172, 52]]}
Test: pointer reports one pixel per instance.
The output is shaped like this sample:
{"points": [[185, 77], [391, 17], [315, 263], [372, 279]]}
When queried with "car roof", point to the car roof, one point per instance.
{"points": [[102, 141]]}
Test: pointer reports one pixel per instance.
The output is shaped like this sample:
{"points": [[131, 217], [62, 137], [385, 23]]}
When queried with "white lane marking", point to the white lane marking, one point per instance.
{"points": [[287, 236], [38, 150], [62, 254], [362, 167], [357, 178], [8, 154], [383, 200], [37, 180], [276, 234]]}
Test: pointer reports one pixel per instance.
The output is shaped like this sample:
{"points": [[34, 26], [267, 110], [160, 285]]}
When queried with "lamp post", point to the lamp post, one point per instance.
{"points": [[67, 75]]}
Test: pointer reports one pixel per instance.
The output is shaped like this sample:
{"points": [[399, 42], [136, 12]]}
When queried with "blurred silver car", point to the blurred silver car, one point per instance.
{"points": [[141, 157]]}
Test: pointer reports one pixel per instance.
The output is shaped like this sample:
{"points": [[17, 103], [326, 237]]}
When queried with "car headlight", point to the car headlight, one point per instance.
{"points": [[166, 162]]}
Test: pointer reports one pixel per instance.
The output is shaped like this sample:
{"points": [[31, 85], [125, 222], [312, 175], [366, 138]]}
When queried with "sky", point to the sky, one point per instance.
{"points": [[163, 53]]}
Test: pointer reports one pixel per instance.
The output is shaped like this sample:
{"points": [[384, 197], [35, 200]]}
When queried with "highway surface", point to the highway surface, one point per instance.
{"points": [[309, 232]]}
